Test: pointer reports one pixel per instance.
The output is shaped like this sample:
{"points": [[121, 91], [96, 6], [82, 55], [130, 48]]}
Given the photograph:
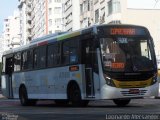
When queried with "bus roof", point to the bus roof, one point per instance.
{"points": [[63, 35]]}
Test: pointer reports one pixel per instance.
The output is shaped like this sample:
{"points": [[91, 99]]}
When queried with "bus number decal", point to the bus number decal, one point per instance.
{"points": [[73, 68]]}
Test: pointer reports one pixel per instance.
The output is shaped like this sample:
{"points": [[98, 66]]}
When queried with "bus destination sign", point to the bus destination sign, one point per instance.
{"points": [[122, 31]]}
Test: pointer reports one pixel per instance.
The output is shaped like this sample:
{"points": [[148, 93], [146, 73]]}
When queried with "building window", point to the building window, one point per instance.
{"points": [[50, 22], [58, 21], [50, 1], [56, 31], [85, 23], [68, 18], [50, 32], [88, 5], [57, 10], [67, 4], [85, 6], [81, 8], [69, 30], [102, 17], [97, 16], [50, 11], [96, 1], [58, 1], [114, 7]]}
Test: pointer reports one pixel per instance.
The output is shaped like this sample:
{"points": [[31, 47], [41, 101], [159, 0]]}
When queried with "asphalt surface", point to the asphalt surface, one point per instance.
{"points": [[138, 109]]}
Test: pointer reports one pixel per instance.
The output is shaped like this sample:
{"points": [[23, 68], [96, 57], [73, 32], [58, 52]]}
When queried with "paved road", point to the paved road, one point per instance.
{"points": [[99, 110]]}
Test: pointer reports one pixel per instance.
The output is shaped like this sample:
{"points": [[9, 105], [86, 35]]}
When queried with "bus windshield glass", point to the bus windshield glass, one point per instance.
{"points": [[126, 54]]}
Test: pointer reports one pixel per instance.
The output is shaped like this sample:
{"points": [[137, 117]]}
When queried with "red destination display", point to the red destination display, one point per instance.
{"points": [[122, 31]]}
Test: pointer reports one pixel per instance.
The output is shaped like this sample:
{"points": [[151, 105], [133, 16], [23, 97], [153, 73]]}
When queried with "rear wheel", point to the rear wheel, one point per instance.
{"points": [[121, 102], [75, 97], [24, 97]]}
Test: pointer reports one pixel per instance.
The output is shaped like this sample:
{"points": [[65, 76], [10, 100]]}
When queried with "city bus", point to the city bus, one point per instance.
{"points": [[102, 62]]}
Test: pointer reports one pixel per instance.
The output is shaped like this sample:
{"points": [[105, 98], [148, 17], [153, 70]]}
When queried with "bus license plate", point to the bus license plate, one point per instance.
{"points": [[134, 91]]}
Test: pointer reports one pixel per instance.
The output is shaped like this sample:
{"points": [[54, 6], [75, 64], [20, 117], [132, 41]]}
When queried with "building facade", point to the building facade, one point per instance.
{"points": [[25, 21], [71, 15], [122, 12], [43, 17], [125, 12], [11, 31], [39, 18]]}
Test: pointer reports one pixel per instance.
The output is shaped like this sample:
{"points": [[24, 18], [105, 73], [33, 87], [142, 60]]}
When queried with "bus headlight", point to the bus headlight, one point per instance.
{"points": [[109, 81], [154, 79]]}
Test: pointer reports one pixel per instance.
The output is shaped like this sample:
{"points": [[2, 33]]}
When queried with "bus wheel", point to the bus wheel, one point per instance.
{"points": [[61, 102], [24, 97], [121, 102], [75, 97]]}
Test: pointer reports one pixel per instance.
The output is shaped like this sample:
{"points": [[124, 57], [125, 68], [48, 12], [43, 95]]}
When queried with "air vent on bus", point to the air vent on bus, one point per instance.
{"points": [[128, 93]]}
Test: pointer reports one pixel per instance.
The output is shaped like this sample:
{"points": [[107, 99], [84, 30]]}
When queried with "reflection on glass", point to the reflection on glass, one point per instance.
{"points": [[126, 54]]}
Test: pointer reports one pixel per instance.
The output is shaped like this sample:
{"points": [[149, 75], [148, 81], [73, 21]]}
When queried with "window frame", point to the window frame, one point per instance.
{"points": [[58, 45], [76, 40]]}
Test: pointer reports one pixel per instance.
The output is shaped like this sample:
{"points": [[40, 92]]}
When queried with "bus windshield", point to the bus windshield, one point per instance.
{"points": [[126, 54]]}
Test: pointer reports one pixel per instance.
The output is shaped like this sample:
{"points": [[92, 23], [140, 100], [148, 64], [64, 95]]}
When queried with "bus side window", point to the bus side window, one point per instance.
{"points": [[17, 61], [35, 58], [24, 60], [27, 60], [53, 58], [40, 57], [70, 52], [30, 58], [73, 51], [65, 54], [3, 64]]}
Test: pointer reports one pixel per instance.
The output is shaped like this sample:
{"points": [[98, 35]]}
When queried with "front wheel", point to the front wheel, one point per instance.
{"points": [[121, 102], [75, 97]]}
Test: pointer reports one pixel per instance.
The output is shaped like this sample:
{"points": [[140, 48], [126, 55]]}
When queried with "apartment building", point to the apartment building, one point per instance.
{"points": [[55, 23], [25, 21], [71, 14], [86, 13], [145, 13], [39, 18], [11, 32]]}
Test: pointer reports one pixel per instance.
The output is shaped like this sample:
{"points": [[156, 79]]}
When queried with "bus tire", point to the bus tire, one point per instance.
{"points": [[121, 102], [75, 96], [24, 97]]}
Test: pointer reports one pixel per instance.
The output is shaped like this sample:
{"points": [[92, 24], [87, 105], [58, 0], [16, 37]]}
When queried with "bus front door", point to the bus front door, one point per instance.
{"points": [[87, 60], [7, 78]]}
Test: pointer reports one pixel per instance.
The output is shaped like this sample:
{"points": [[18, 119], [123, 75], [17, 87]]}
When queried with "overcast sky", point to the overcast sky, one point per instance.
{"points": [[8, 6]]}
